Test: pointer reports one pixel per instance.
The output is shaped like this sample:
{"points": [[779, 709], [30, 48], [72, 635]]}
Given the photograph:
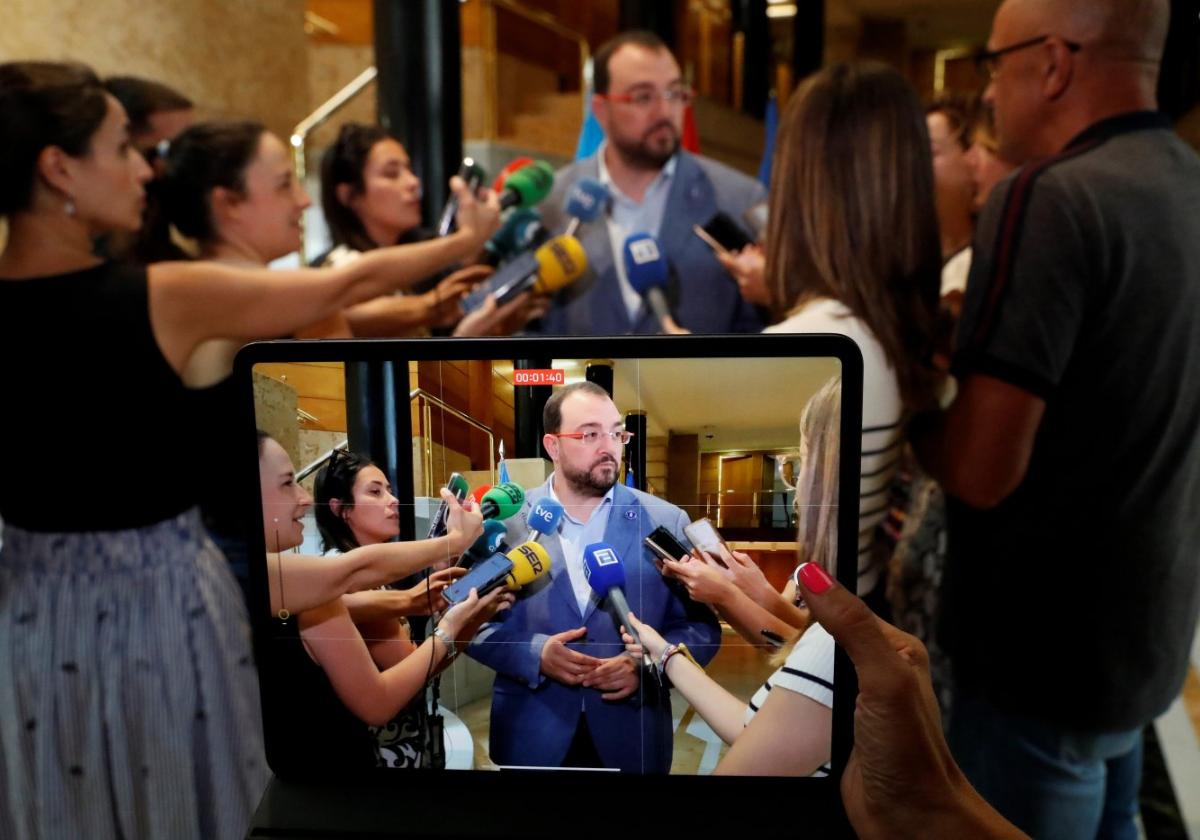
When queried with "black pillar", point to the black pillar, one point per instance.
{"points": [[379, 425], [808, 27], [635, 450], [600, 371], [528, 403], [658, 17], [1179, 79], [750, 18], [419, 58]]}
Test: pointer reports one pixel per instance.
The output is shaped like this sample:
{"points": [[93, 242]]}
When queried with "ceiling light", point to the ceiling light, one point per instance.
{"points": [[781, 10]]}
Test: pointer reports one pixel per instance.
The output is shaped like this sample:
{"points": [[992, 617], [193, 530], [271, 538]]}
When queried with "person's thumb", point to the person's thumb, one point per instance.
{"points": [[845, 617], [569, 635]]}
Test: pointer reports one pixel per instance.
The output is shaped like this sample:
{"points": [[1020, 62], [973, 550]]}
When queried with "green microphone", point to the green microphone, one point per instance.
{"points": [[528, 185], [502, 501], [459, 487]]}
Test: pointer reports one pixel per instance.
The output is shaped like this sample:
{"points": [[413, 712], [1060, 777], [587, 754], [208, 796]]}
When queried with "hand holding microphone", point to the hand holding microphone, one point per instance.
{"points": [[652, 644], [464, 522], [648, 272], [605, 574], [478, 218]]}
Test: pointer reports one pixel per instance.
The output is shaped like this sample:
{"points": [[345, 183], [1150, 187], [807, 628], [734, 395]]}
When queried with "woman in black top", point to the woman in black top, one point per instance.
{"points": [[126, 680], [329, 683]]}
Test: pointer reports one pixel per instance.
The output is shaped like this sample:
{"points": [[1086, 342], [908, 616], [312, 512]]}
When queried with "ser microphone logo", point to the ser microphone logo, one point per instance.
{"points": [[563, 256], [535, 562]]}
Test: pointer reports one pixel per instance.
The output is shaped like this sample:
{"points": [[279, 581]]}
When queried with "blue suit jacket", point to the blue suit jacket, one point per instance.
{"points": [[534, 717], [707, 298]]}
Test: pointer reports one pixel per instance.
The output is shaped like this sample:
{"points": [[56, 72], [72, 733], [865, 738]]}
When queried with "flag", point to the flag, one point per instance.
{"points": [[590, 136], [691, 137], [629, 479], [772, 126], [503, 466]]}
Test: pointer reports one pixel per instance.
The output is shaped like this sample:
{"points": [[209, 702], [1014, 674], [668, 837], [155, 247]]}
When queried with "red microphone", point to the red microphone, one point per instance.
{"points": [[513, 166], [478, 493]]}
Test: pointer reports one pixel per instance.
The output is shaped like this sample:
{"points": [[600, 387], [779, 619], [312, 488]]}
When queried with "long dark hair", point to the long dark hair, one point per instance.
{"points": [[202, 158], [853, 215], [343, 163], [335, 482], [44, 103]]}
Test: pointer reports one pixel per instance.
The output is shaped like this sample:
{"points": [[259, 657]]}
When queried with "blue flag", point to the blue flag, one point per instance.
{"points": [[590, 137], [629, 480], [772, 126], [503, 473]]}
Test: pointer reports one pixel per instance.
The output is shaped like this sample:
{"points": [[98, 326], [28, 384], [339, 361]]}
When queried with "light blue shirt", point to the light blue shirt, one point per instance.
{"points": [[574, 537], [626, 217]]}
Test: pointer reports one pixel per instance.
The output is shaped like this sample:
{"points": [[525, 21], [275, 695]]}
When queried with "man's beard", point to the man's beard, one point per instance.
{"points": [[645, 155], [589, 482]]}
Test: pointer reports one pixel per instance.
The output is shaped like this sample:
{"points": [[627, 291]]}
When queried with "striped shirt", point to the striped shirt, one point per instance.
{"points": [[882, 419], [808, 670]]}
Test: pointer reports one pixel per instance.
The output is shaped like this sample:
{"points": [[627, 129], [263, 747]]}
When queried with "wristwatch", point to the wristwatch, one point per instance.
{"points": [[451, 646]]}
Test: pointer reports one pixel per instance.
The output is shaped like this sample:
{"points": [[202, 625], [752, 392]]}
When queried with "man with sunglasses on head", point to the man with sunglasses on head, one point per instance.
{"points": [[655, 187], [1071, 450], [566, 694]]}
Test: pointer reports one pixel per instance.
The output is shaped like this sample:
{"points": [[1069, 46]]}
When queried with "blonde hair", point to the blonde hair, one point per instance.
{"points": [[817, 486]]}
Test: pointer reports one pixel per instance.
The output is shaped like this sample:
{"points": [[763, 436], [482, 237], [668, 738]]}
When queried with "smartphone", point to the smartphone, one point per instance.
{"points": [[704, 535], [725, 230], [663, 544], [473, 174], [458, 486], [484, 576], [709, 241]]}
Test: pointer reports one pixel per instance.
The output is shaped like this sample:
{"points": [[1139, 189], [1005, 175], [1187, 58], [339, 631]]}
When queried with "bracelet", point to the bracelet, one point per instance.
{"points": [[451, 647], [668, 652]]}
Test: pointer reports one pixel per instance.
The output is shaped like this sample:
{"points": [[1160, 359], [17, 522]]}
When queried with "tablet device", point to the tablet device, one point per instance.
{"points": [[714, 415]]}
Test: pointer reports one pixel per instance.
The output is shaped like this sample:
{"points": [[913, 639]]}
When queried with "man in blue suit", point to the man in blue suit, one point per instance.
{"points": [[566, 694], [655, 188]]}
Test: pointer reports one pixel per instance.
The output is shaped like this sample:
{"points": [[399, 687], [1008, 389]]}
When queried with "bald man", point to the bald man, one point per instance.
{"points": [[1071, 454]]}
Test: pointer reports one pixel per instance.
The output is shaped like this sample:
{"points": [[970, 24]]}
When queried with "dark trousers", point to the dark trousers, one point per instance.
{"points": [[582, 752]]}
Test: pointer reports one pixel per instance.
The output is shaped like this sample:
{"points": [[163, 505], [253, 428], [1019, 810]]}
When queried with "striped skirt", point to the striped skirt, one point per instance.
{"points": [[129, 700]]}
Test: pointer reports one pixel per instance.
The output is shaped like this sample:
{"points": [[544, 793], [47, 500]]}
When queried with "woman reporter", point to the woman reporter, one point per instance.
{"points": [[785, 730], [156, 620], [335, 682]]}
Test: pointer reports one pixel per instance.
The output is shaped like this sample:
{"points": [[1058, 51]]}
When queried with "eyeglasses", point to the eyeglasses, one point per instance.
{"points": [[591, 437], [644, 98], [987, 61]]}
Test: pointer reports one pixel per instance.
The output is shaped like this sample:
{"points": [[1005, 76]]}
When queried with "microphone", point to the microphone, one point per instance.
{"points": [[473, 174], [478, 493], [648, 271], [459, 487], [558, 263], [586, 201], [489, 542], [527, 186], [604, 572], [521, 231], [543, 518], [519, 567], [509, 168], [502, 501]]}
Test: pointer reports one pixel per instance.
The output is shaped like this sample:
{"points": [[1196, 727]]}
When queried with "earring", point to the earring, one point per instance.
{"points": [[69, 207]]}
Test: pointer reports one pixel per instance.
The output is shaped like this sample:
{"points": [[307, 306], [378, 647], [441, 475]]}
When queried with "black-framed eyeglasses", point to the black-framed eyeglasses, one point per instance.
{"points": [[987, 62]]}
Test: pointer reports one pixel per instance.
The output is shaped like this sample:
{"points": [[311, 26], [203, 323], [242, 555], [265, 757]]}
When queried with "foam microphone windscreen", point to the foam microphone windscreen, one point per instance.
{"points": [[645, 265], [502, 501], [513, 235], [509, 168], [478, 493], [528, 186], [544, 516], [602, 568], [529, 562], [489, 541], [561, 262], [587, 199]]}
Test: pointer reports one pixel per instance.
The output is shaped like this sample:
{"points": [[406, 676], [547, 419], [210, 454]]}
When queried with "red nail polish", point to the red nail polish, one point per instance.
{"points": [[815, 579]]}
